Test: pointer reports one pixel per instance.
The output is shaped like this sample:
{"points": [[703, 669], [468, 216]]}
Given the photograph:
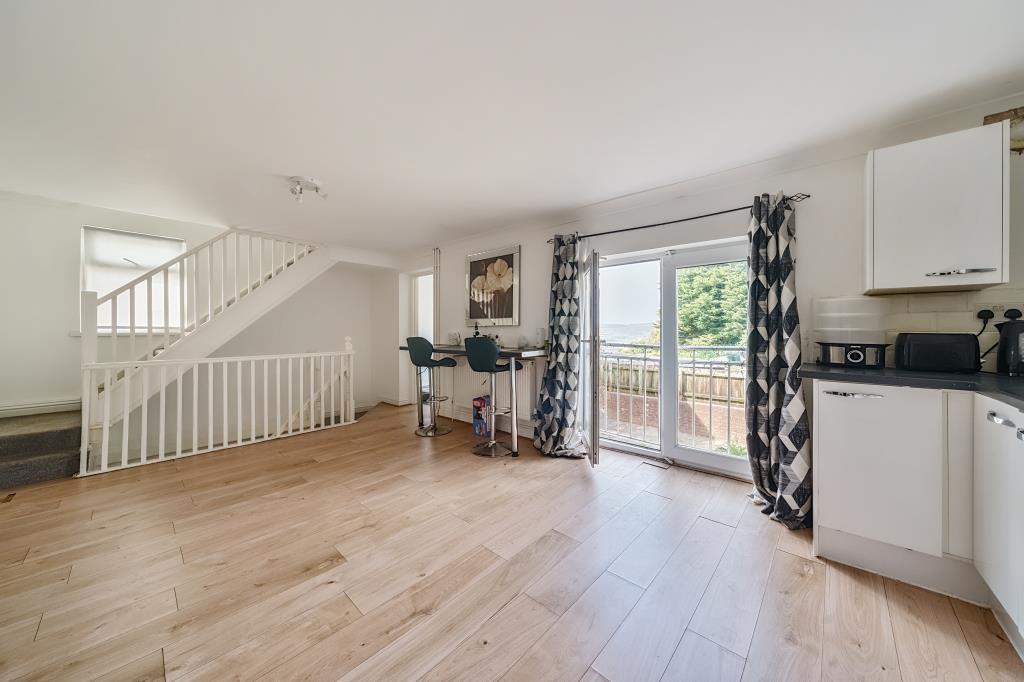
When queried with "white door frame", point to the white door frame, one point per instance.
{"points": [[590, 350], [415, 390], [726, 252]]}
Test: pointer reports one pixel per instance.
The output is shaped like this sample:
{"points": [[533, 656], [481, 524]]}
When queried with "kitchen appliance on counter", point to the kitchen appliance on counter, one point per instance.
{"points": [[850, 331], [1010, 355], [932, 352], [867, 355]]}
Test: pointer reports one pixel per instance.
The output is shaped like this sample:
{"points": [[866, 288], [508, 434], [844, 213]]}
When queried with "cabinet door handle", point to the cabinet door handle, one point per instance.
{"points": [[996, 419], [844, 394], [957, 271]]}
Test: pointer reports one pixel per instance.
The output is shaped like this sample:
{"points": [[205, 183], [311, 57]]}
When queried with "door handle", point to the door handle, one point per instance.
{"points": [[845, 394], [996, 419], [957, 271], [1020, 434]]}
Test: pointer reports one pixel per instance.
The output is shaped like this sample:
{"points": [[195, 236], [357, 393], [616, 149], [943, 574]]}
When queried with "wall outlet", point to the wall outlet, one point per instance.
{"points": [[997, 308]]}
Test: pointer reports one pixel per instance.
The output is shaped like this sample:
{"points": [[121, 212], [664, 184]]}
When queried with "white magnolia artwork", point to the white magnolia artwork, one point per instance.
{"points": [[492, 287]]}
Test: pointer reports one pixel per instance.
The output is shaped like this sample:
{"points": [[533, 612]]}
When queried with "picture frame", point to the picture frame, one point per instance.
{"points": [[492, 287]]}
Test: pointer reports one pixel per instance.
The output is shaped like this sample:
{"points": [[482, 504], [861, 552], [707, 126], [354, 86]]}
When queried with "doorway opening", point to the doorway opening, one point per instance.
{"points": [[673, 356], [423, 319]]}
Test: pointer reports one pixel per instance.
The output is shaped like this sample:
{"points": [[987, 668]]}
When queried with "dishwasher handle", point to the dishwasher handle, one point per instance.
{"points": [[847, 394]]}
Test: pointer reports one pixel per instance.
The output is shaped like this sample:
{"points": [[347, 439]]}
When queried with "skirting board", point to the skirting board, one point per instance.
{"points": [[22, 409], [946, 575], [1009, 627], [394, 402]]}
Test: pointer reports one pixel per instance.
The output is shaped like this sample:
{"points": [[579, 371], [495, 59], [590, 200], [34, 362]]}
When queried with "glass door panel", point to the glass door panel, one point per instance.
{"points": [[705, 305], [630, 357], [590, 343]]}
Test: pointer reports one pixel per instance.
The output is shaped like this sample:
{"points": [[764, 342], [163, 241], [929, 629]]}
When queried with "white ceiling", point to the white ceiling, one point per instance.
{"points": [[429, 120]]}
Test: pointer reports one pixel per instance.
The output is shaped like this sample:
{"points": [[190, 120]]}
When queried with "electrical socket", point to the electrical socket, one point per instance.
{"points": [[997, 308]]}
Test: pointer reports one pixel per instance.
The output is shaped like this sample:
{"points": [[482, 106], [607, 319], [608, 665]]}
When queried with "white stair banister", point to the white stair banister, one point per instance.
{"points": [[193, 288], [182, 419]]}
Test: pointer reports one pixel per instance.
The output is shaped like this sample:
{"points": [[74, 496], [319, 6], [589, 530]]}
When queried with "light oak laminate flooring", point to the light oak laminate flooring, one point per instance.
{"points": [[364, 552]]}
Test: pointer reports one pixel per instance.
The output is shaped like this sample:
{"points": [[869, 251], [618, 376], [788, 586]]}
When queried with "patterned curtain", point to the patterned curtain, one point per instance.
{"points": [[778, 437], [556, 432]]}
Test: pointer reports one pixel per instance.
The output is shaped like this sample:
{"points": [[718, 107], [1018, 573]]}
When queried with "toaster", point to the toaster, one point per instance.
{"points": [[928, 352]]}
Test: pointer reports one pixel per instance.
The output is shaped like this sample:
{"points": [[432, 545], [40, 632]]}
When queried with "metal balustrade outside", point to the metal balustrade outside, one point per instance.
{"points": [[709, 404]]}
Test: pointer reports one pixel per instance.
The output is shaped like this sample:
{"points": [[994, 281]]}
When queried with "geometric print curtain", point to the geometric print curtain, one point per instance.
{"points": [[778, 437], [557, 430]]}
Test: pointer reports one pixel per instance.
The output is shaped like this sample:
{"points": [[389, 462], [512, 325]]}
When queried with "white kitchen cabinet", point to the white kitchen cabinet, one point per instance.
{"points": [[960, 473], [937, 213], [879, 462], [998, 479]]}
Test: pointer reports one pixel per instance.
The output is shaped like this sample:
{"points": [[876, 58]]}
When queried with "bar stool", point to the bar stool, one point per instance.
{"points": [[421, 352], [482, 354]]}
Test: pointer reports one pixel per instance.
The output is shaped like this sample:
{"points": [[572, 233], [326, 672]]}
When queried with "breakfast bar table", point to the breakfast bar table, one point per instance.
{"points": [[512, 354]]}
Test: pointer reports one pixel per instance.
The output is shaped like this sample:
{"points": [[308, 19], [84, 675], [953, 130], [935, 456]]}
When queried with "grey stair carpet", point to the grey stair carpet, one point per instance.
{"points": [[39, 448]]}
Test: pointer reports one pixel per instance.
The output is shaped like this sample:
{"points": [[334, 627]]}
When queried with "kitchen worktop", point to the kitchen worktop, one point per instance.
{"points": [[518, 353], [1009, 390]]}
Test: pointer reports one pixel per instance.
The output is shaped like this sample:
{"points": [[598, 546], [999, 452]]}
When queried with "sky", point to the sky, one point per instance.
{"points": [[630, 294]]}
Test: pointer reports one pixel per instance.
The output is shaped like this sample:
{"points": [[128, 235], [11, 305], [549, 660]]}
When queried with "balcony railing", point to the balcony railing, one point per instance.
{"points": [[709, 404]]}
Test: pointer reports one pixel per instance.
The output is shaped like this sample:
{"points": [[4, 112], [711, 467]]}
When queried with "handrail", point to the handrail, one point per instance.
{"points": [[166, 409], [191, 252], [120, 364], [174, 300]]}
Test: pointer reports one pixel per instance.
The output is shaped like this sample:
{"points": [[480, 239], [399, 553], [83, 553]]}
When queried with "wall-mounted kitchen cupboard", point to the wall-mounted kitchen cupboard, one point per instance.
{"points": [[937, 212]]}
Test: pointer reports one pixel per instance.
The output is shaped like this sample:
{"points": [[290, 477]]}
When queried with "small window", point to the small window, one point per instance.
{"points": [[113, 258]]}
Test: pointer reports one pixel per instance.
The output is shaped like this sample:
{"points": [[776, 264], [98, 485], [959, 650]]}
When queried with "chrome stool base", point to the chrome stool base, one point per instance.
{"points": [[432, 430], [493, 449]]}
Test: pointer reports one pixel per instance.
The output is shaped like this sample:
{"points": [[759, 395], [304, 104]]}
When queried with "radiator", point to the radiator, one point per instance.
{"points": [[469, 384]]}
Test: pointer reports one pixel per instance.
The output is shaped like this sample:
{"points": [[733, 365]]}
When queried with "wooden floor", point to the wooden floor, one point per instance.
{"points": [[366, 553]]}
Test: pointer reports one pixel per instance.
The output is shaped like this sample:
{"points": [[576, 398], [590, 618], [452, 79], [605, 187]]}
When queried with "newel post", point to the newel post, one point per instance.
{"points": [[350, 403], [88, 327], [89, 355]]}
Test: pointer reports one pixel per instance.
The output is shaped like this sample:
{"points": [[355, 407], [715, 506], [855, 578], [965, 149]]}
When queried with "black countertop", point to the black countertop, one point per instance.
{"points": [[1010, 390], [519, 353]]}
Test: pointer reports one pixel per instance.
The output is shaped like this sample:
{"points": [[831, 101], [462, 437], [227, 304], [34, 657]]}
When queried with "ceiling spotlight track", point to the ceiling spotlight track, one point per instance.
{"points": [[301, 186]]}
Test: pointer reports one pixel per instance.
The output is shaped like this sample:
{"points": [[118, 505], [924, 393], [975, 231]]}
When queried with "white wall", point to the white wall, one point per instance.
{"points": [[390, 324], [318, 317], [830, 226], [40, 257]]}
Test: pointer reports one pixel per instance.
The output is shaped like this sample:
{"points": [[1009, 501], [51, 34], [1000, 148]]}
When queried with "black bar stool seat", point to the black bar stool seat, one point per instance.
{"points": [[421, 352]]}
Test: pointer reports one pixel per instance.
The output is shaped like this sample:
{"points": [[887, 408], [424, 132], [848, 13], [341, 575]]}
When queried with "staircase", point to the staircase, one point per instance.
{"points": [[38, 448], [218, 288], [151, 390]]}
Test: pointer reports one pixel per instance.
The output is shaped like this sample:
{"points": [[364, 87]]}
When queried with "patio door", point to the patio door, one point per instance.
{"points": [[590, 306], [704, 314]]}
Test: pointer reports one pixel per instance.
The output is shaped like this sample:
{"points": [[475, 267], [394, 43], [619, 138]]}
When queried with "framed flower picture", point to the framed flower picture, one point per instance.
{"points": [[492, 287]]}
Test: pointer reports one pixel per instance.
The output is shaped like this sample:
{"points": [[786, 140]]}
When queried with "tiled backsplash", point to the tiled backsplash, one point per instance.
{"points": [[935, 312], [951, 312]]}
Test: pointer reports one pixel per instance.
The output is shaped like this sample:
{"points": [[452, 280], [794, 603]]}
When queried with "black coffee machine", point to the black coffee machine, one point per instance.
{"points": [[1010, 357]]}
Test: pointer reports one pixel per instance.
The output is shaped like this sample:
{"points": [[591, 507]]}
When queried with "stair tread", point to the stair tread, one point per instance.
{"points": [[55, 454], [39, 423], [39, 434], [37, 468]]}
